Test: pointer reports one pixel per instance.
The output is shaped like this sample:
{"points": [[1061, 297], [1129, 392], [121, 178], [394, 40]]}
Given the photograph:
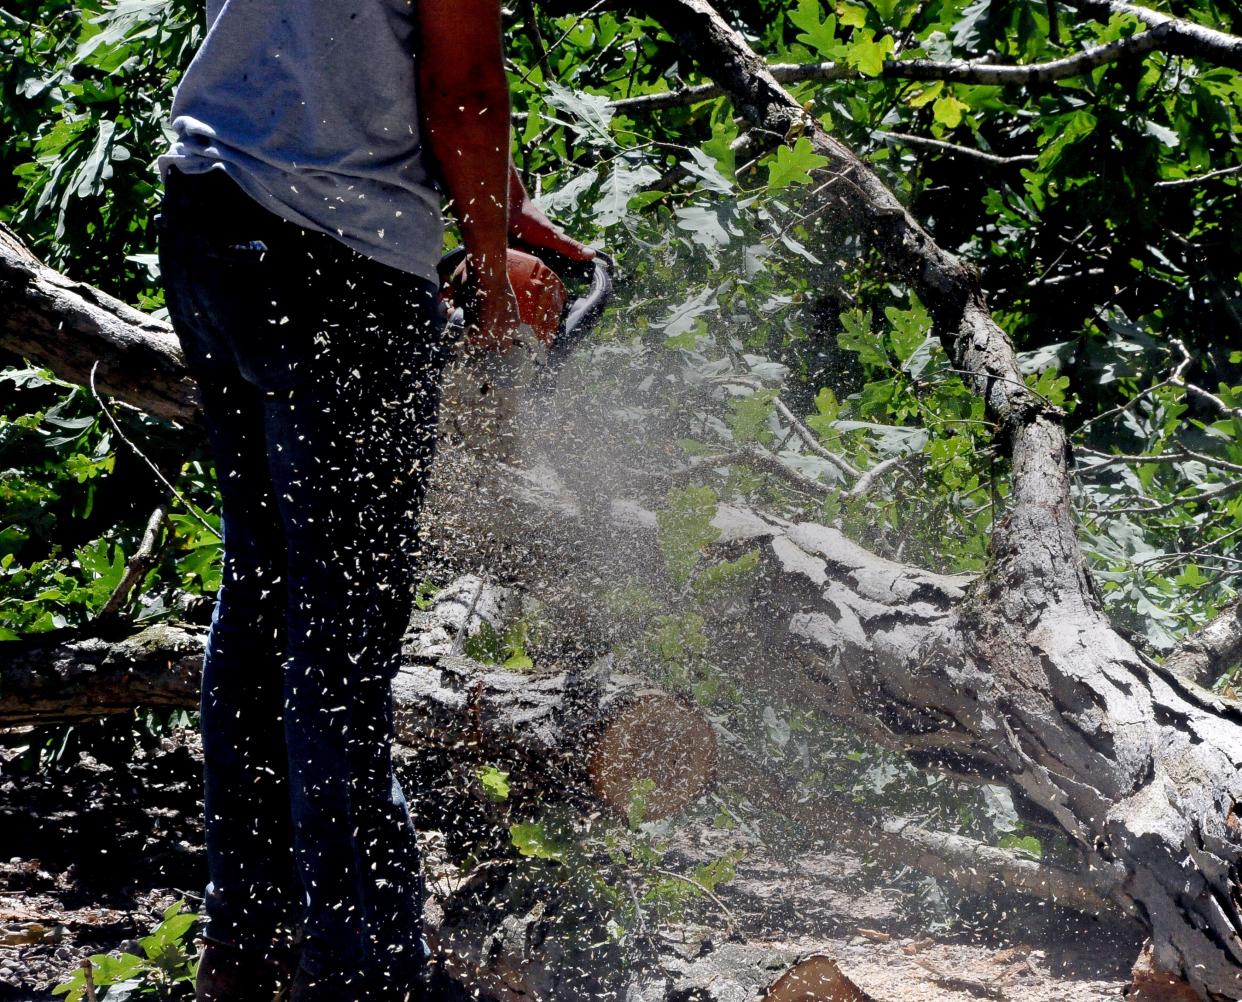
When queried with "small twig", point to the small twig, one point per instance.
{"points": [[1226, 492], [868, 479], [1212, 398], [1173, 379], [531, 25], [812, 443], [1004, 379], [137, 566], [88, 972], [940, 144], [143, 456], [734, 929], [1180, 455], [565, 34], [1185, 182]]}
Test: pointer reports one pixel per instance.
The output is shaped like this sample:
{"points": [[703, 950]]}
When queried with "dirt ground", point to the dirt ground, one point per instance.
{"points": [[91, 854]]}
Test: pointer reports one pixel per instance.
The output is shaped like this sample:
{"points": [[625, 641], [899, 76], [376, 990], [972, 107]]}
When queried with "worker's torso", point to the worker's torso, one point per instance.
{"points": [[311, 106]]}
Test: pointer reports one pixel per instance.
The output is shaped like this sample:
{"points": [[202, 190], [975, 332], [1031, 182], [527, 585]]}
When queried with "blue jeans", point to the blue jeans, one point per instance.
{"points": [[319, 371]]}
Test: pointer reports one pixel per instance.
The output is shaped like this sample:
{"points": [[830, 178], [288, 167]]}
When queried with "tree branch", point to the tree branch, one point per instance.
{"points": [[70, 327], [954, 149], [1210, 651], [951, 71], [1183, 38]]}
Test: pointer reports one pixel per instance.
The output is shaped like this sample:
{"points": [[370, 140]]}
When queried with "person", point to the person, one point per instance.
{"points": [[298, 236]]}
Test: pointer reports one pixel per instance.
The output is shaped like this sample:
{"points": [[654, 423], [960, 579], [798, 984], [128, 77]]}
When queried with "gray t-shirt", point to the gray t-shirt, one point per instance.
{"points": [[310, 106]]}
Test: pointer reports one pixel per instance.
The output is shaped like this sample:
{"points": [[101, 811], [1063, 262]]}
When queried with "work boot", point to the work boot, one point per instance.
{"points": [[228, 973]]}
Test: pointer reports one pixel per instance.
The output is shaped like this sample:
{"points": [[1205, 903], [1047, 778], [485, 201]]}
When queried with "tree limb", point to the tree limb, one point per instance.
{"points": [[1184, 38], [1210, 651], [69, 326], [964, 71]]}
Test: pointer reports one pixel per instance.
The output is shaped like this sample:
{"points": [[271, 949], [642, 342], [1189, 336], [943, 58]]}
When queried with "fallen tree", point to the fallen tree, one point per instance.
{"points": [[1017, 675]]}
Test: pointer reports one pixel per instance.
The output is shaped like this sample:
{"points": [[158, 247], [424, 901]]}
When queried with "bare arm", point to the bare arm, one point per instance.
{"points": [[529, 225], [464, 103]]}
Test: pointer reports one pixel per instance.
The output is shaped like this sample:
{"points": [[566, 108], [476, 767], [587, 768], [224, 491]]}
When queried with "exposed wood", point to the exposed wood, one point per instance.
{"points": [[1151, 984], [817, 978], [608, 733]]}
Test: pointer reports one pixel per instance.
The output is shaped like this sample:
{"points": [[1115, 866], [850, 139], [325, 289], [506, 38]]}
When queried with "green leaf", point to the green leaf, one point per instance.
{"points": [[495, 782], [908, 331], [684, 530], [827, 409], [748, 416], [948, 111], [852, 15], [819, 34], [793, 165], [1025, 843], [867, 53], [591, 113], [720, 146], [858, 337], [534, 840], [926, 95], [622, 183]]}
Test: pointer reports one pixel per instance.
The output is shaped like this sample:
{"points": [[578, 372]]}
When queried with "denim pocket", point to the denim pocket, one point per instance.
{"points": [[272, 328]]}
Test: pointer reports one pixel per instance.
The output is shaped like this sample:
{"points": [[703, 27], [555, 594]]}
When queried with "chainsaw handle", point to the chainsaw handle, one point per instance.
{"points": [[583, 313]]}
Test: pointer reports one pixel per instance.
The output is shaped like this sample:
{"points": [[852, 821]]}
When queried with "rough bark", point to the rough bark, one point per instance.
{"points": [[1184, 37], [1138, 767], [596, 732], [68, 326], [1205, 655]]}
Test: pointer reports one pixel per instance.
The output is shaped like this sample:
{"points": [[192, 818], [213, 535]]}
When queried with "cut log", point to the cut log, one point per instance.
{"points": [[816, 978], [610, 734], [606, 734]]}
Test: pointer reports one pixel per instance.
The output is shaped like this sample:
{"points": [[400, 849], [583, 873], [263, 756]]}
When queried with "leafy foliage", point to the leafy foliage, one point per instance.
{"points": [[165, 969]]}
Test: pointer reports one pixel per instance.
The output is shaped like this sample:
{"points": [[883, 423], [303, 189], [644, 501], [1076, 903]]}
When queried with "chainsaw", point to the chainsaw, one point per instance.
{"points": [[484, 388], [553, 322]]}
